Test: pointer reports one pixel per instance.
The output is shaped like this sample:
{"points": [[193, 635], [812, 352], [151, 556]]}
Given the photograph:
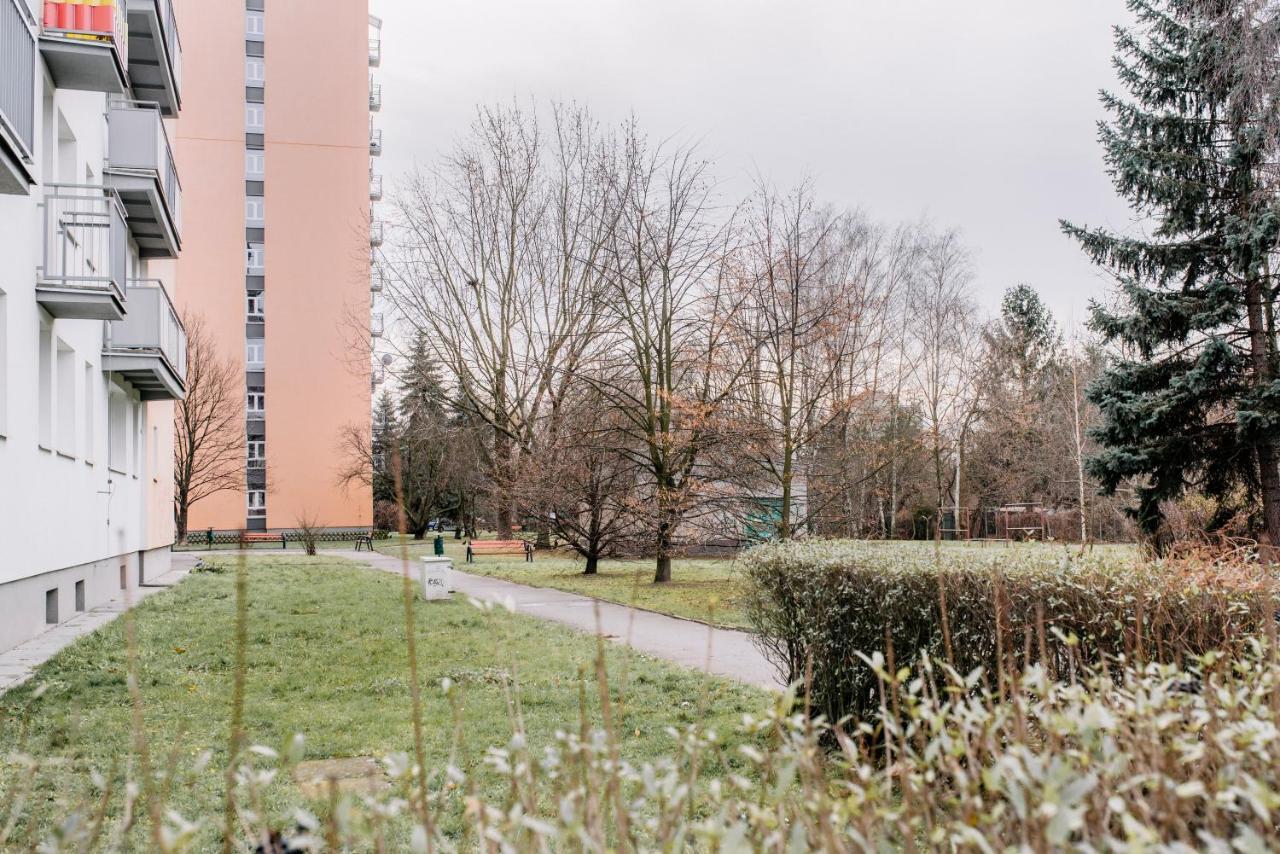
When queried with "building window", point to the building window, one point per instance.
{"points": [[257, 503], [257, 453], [45, 401], [254, 70], [255, 118], [254, 308], [254, 211], [80, 595], [255, 164], [255, 354], [117, 429], [67, 397], [89, 403], [254, 26], [257, 402], [255, 259], [51, 606]]}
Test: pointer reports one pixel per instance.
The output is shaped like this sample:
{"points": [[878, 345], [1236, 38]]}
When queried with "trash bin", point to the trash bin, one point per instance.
{"points": [[435, 578], [439, 545]]}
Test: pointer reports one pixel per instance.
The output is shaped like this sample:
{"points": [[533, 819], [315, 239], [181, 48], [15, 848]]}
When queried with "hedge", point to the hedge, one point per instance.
{"points": [[818, 607]]}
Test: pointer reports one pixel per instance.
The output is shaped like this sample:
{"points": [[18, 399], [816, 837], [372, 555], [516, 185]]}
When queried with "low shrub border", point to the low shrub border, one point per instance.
{"points": [[818, 608]]}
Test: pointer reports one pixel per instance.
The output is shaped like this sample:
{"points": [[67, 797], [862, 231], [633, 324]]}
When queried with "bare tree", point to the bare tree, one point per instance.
{"points": [[208, 447]]}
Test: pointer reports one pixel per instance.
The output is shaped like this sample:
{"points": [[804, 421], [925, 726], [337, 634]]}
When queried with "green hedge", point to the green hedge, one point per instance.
{"points": [[816, 606]]}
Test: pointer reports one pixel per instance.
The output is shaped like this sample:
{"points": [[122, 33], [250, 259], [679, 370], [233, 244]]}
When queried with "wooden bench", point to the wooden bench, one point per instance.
{"points": [[250, 537], [500, 547], [364, 541]]}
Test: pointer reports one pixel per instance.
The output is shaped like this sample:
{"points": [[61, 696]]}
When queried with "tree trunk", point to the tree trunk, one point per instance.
{"points": [[593, 562], [663, 570], [182, 524], [1268, 452]]}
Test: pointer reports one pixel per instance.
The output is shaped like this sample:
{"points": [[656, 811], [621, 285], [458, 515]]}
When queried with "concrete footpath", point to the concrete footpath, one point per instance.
{"points": [[17, 664], [723, 652]]}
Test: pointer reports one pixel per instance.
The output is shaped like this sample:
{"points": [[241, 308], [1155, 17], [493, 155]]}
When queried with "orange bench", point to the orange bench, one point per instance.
{"points": [[250, 537], [500, 547]]}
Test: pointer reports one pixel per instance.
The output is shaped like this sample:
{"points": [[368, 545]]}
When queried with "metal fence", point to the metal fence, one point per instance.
{"points": [[85, 243], [17, 73]]}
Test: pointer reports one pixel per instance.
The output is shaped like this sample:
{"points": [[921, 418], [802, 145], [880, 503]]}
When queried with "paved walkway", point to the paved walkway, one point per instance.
{"points": [[17, 664], [724, 652]]}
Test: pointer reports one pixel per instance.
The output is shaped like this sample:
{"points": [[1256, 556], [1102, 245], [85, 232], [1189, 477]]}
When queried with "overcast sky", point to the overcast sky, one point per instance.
{"points": [[980, 115]]}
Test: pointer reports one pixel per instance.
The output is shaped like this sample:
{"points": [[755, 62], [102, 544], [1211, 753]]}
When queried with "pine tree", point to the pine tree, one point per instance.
{"points": [[1193, 402]]}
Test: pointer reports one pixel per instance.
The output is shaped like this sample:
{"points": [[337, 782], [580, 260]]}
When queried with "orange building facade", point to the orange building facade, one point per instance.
{"points": [[276, 141]]}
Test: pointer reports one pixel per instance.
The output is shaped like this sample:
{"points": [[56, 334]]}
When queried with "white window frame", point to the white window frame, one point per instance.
{"points": [[255, 257], [255, 164], [255, 306], [255, 452], [256, 402], [255, 211], [255, 70], [256, 503], [255, 353], [255, 118], [255, 25]]}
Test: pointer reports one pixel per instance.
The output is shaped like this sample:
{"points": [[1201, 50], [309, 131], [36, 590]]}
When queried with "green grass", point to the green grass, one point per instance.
{"points": [[326, 657]]}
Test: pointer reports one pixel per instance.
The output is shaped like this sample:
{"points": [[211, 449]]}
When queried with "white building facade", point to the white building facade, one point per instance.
{"points": [[92, 353]]}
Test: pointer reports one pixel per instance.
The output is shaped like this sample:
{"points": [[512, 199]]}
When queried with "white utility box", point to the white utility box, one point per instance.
{"points": [[436, 577]]}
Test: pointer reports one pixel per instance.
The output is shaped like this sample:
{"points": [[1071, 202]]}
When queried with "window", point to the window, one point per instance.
{"points": [[88, 449], [254, 307], [254, 70], [257, 503], [254, 26], [254, 118], [254, 211], [255, 353], [80, 595], [45, 401], [67, 397], [257, 453], [51, 606], [255, 259], [257, 402], [255, 164], [117, 429]]}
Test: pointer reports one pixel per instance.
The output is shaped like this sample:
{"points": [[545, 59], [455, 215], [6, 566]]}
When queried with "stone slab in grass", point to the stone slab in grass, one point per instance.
{"points": [[359, 775]]}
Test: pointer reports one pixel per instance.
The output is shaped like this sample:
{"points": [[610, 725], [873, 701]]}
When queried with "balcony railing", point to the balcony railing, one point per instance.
{"points": [[256, 463], [375, 97], [155, 52], [375, 232], [375, 141], [17, 97], [375, 187], [84, 250], [85, 46], [375, 53], [141, 167], [149, 347], [376, 281], [375, 325]]}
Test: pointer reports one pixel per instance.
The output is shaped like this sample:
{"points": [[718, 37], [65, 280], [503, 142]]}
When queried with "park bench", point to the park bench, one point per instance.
{"points": [[500, 547], [364, 541], [251, 537]]}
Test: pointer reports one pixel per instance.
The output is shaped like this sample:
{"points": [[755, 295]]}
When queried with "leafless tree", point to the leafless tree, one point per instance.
{"points": [[208, 447]]}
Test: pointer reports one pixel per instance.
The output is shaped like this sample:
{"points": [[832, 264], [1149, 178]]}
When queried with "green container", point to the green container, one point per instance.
{"points": [[439, 545]]}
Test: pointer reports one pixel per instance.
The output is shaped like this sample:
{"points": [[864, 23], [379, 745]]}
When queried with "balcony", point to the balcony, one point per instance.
{"points": [[375, 325], [375, 53], [149, 347], [375, 141], [84, 253], [375, 97], [376, 281], [375, 187], [375, 232], [17, 98], [155, 53], [85, 46], [140, 168]]}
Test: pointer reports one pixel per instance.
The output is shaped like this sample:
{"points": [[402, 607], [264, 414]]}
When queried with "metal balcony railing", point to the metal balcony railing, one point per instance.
{"points": [[375, 53], [157, 74], [375, 97], [73, 35], [139, 146], [375, 232], [375, 141], [17, 76], [85, 243], [149, 347], [376, 279], [375, 325], [375, 187]]}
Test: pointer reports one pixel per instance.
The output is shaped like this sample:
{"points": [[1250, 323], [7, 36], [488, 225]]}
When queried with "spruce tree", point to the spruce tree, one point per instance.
{"points": [[1193, 399]]}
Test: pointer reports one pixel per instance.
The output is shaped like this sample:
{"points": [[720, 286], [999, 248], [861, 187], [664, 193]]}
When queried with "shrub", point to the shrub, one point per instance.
{"points": [[817, 608]]}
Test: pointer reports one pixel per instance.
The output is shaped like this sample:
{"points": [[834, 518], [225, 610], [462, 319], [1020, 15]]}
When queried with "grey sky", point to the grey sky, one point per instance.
{"points": [[980, 115]]}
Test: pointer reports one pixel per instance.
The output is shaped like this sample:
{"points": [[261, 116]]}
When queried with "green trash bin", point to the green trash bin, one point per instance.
{"points": [[439, 545]]}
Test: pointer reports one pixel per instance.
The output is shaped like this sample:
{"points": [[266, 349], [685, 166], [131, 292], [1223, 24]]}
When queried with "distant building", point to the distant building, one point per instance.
{"points": [[92, 354], [281, 238]]}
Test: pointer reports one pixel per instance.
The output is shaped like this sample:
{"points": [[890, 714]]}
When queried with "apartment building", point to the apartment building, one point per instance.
{"points": [[279, 240], [92, 353]]}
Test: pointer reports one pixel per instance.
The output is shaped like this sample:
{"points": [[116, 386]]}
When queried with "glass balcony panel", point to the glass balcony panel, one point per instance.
{"points": [[149, 346], [17, 98]]}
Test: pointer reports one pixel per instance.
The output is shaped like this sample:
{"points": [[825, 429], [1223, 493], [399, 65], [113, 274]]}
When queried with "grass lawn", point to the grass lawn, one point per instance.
{"points": [[326, 658]]}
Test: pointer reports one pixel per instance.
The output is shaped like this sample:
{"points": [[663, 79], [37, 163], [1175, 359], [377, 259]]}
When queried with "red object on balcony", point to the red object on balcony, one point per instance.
{"points": [[50, 18], [84, 17], [103, 19], [66, 16]]}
